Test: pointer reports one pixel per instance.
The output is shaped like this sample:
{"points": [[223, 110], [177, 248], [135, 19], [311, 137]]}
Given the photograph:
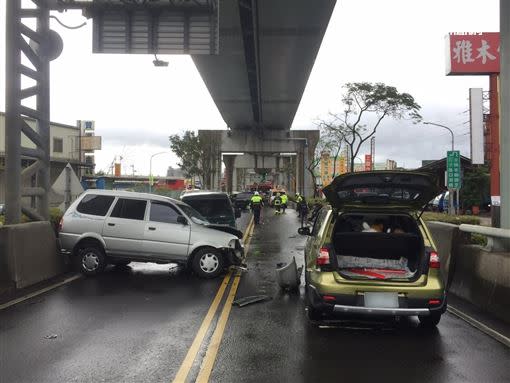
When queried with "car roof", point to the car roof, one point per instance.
{"points": [[203, 193], [128, 194]]}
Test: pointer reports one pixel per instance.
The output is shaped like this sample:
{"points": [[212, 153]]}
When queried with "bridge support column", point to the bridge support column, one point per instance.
{"points": [[263, 148], [229, 161]]}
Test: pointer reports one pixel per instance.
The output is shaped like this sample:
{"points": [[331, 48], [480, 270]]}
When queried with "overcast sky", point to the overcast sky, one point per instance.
{"points": [[136, 106]]}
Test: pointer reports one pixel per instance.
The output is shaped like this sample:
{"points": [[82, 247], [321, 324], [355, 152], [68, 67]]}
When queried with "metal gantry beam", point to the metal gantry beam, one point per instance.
{"points": [[248, 13], [22, 41]]}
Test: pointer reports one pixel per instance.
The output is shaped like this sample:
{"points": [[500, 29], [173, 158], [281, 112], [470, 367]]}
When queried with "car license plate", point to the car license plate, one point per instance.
{"points": [[381, 300]]}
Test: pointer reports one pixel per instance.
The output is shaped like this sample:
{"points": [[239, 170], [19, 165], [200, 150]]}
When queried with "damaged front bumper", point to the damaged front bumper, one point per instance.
{"points": [[235, 255]]}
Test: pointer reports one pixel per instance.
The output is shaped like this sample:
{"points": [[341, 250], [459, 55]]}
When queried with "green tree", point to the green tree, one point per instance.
{"points": [[475, 187], [188, 149], [333, 135], [365, 106], [324, 144]]}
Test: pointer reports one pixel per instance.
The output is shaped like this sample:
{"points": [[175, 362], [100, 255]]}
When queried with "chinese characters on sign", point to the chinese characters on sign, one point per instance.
{"points": [[368, 162], [453, 172], [476, 53]]}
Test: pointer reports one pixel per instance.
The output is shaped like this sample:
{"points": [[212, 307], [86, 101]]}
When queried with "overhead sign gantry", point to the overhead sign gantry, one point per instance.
{"points": [[120, 26]]}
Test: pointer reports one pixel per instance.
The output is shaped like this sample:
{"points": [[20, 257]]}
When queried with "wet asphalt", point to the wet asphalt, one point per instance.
{"points": [[136, 324]]}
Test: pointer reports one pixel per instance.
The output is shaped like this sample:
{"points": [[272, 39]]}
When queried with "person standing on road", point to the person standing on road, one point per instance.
{"points": [[285, 200], [299, 202], [302, 207], [256, 205], [277, 203]]}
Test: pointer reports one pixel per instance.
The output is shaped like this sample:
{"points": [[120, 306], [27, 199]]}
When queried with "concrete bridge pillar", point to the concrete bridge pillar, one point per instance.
{"points": [[263, 150], [229, 161]]}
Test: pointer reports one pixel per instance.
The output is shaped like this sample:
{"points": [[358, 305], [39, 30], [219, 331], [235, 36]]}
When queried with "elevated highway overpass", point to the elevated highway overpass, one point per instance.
{"points": [[267, 51]]}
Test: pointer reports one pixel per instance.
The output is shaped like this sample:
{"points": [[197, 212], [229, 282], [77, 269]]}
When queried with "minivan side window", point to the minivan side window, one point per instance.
{"points": [[162, 212], [129, 209], [95, 204]]}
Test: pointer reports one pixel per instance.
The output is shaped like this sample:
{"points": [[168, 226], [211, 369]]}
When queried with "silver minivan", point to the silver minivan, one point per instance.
{"points": [[117, 227]]}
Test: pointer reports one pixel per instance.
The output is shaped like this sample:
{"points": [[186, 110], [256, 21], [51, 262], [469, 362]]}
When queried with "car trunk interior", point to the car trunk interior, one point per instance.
{"points": [[378, 247]]}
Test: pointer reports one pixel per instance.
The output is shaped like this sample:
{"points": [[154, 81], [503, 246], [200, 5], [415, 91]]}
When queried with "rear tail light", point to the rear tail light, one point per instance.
{"points": [[328, 298], [434, 302], [323, 258], [434, 260]]}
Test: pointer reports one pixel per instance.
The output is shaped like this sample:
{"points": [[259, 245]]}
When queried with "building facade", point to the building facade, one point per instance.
{"points": [[329, 169], [67, 145]]}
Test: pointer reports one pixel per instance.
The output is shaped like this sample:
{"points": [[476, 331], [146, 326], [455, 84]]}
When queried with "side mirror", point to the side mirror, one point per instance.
{"points": [[304, 231], [238, 213], [182, 220]]}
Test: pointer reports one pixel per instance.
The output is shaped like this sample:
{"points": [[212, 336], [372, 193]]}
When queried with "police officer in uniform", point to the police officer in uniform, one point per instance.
{"points": [[256, 205], [285, 200]]}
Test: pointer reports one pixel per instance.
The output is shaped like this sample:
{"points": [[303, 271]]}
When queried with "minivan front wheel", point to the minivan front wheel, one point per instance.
{"points": [[208, 263], [91, 260]]}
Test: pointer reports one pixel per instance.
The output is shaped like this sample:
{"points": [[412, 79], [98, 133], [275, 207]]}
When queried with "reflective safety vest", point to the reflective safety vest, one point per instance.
{"points": [[278, 201], [256, 200], [285, 199]]}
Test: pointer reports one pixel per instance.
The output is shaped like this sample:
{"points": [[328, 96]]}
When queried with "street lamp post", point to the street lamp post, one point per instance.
{"points": [[150, 169], [451, 208], [445, 127]]}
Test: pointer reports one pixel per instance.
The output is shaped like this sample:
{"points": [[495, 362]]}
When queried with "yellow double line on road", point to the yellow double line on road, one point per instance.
{"points": [[214, 345]]}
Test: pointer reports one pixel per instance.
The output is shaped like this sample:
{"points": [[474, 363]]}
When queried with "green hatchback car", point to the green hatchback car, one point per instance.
{"points": [[370, 254]]}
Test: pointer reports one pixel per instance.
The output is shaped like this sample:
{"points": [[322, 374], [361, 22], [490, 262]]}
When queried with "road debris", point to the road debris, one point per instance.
{"points": [[241, 302], [52, 336], [288, 276], [242, 268]]}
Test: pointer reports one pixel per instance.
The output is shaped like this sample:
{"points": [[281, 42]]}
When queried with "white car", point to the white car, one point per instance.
{"points": [[118, 227]]}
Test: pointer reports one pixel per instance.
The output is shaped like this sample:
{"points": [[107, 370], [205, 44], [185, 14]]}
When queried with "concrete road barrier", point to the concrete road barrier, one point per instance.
{"points": [[483, 278], [471, 272], [28, 254]]}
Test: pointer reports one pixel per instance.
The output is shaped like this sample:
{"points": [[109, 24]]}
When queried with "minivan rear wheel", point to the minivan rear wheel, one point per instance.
{"points": [[430, 321], [208, 263], [91, 260]]}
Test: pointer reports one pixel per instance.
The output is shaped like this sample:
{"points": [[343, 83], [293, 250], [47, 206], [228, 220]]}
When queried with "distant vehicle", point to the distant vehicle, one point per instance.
{"points": [[2, 209], [116, 227], [440, 202], [216, 207], [369, 253], [262, 187], [242, 199], [189, 190]]}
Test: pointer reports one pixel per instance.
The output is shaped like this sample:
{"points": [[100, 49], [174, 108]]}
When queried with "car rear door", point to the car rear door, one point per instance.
{"points": [[123, 229], [164, 237]]}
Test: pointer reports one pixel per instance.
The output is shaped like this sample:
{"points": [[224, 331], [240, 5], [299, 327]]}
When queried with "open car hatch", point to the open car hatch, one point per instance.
{"points": [[382, 189]]}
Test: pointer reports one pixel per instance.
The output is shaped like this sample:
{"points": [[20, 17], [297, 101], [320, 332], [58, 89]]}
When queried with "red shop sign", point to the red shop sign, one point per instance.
{"points": [[472, 54]]}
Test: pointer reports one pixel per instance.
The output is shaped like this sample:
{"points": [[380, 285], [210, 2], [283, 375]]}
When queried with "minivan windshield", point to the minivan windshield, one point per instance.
{"points": [[212, 208], [194, 215]]}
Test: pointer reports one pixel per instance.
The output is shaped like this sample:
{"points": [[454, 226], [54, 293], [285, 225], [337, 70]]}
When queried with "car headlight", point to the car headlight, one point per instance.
{"points": [[232, 243]]}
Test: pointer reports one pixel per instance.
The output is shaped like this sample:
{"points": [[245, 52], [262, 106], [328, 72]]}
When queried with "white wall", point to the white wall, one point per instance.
{"points": [[69, 134]]}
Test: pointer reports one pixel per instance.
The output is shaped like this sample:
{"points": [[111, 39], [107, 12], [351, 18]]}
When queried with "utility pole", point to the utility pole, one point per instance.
{"points": [[451, 207], [504, 11]]}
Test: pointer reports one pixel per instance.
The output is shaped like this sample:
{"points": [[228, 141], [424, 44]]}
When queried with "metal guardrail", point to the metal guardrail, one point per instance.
{"points": [[497, 239]]}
